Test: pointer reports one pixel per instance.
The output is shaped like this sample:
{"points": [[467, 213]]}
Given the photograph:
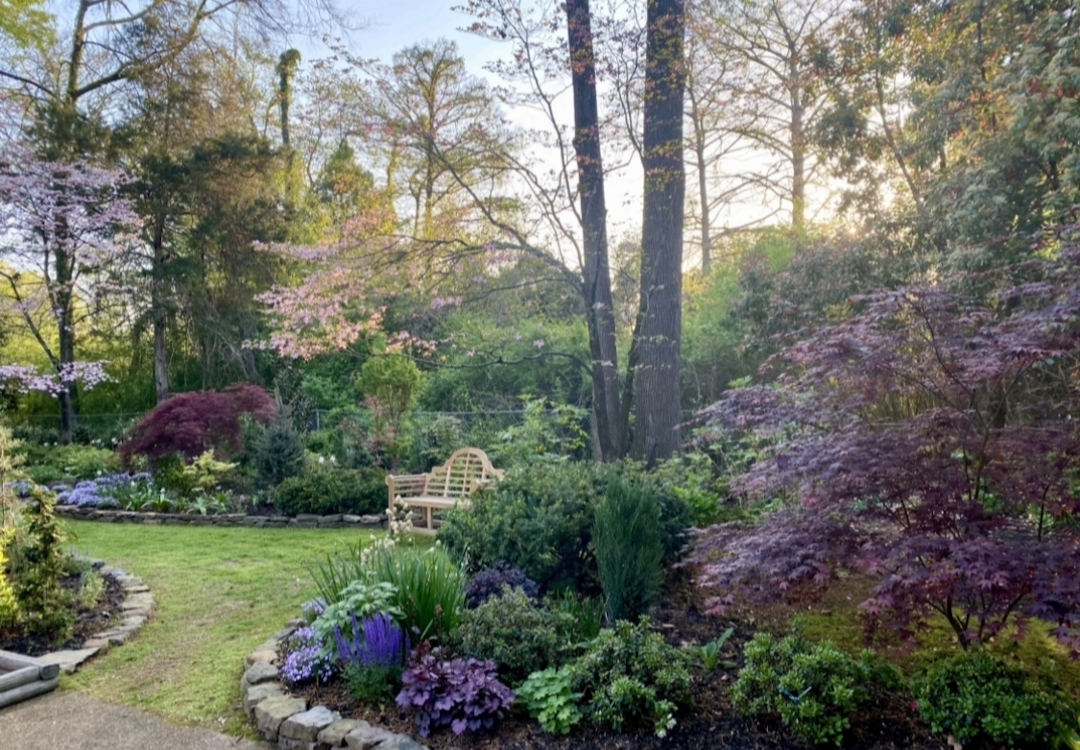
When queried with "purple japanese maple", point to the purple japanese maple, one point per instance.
{"points": [[930, 441]]}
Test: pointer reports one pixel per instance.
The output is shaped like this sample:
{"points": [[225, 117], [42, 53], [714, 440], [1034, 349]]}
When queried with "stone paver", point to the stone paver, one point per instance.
{"points": [[306, 725], [365, 738], [69, 661], [334, 735], [271, 713]]}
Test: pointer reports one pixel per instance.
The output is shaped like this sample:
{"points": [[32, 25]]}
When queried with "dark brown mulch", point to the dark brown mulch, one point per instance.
{"points": [[889, 721], [88, 621]]}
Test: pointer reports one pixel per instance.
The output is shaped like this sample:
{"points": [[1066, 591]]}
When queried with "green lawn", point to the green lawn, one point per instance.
{"points": [[219, 593]]}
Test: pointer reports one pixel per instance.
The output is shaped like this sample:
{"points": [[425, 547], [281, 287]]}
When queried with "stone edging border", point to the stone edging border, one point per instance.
{"points": [[287, 722], [302, 521], [134, 612]]}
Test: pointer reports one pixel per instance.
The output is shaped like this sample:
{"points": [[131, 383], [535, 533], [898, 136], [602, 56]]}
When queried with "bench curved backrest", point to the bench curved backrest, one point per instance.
{"points": [[461, 474]]}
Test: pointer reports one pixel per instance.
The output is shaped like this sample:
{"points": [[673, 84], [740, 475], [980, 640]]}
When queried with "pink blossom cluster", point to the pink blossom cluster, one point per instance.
{"points": [[28, 379]]}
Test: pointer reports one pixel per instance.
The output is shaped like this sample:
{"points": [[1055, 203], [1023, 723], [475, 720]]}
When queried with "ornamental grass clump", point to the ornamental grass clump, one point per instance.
{"points": [[429, 588], [629, 550]]}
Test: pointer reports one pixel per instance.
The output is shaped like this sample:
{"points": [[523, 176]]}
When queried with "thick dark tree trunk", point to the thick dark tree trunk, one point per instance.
{"points": [[65, 332], [596, 284], [657, 391]]}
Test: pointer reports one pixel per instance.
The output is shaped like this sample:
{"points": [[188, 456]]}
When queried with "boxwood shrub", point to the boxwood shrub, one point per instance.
{"points": [[330, 491]]}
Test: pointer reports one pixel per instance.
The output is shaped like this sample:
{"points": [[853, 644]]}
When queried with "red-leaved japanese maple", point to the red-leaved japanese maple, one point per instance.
{"points": [[931, 441], [192, 423]]}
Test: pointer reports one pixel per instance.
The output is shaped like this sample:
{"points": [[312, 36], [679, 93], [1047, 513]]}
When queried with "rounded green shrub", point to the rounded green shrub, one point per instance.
{"points": [[516, 633], [973, 696], [814, 687], [631, 676]]}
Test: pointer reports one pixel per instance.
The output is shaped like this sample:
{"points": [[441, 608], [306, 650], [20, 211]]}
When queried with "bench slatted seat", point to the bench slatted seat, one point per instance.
{"points": [[443, 487]]}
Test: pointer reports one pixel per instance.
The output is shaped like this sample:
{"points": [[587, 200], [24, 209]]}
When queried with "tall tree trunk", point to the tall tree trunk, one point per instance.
{"points": [[703, 182], [286, 67], [157, 303], [798, 150], [596, 284], [65, 333], [657, 383]]}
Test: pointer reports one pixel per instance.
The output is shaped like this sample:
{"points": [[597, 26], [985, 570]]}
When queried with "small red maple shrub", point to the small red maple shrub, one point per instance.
{"points": [[933, 441], [192, 423]]}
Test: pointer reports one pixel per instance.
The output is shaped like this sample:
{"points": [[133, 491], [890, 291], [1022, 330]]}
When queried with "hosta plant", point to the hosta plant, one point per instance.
{"points": [[551, 700]]}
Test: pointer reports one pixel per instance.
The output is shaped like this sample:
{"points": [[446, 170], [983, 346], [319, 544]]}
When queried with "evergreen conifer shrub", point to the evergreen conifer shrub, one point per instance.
{"points": [[280, 454]]}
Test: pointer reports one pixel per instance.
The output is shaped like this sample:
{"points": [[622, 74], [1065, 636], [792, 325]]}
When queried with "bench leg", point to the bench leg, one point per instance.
{"points": [[430, 525]]}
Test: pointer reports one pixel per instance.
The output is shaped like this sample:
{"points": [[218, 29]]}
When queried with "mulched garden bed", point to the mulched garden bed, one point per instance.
{"points": [[88, 622], [889, 721]]}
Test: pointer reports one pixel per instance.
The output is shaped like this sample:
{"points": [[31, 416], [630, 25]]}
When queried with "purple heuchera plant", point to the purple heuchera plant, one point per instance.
{"points": [[379, 642], [303, 662], [464, 694]]}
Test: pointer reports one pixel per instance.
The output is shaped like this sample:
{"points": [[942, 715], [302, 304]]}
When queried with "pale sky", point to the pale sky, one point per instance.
{"points": [[393, 26]]}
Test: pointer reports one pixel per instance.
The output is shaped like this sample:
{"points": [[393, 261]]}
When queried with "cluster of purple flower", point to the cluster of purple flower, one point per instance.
{"points": [[379, 642], [102, 492], [86, 494], [304, 661], [22, 487]]}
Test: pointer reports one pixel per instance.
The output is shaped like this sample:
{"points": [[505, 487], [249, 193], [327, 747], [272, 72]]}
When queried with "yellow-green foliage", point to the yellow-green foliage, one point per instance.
{"points": [[206, 472], [9, 606]]}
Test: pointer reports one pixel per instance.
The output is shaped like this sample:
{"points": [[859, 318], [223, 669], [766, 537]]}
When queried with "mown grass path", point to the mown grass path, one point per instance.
{"points": [[219, 592]]}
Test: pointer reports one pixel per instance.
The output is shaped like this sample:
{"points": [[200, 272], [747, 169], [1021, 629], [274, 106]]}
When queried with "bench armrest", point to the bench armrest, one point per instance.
{"points": [[406, 484]]}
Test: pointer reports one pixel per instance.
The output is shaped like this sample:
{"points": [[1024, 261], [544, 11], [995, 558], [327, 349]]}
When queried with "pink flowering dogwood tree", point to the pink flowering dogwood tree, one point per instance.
{"points": [[65, 233], [342, 299]]}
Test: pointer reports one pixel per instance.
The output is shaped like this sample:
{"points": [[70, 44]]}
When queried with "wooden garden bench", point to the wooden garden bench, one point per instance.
{"points": [[443, 487]]}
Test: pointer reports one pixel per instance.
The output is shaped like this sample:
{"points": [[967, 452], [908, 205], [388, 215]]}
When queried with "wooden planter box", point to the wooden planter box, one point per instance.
{"points": [[23, 677]]}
